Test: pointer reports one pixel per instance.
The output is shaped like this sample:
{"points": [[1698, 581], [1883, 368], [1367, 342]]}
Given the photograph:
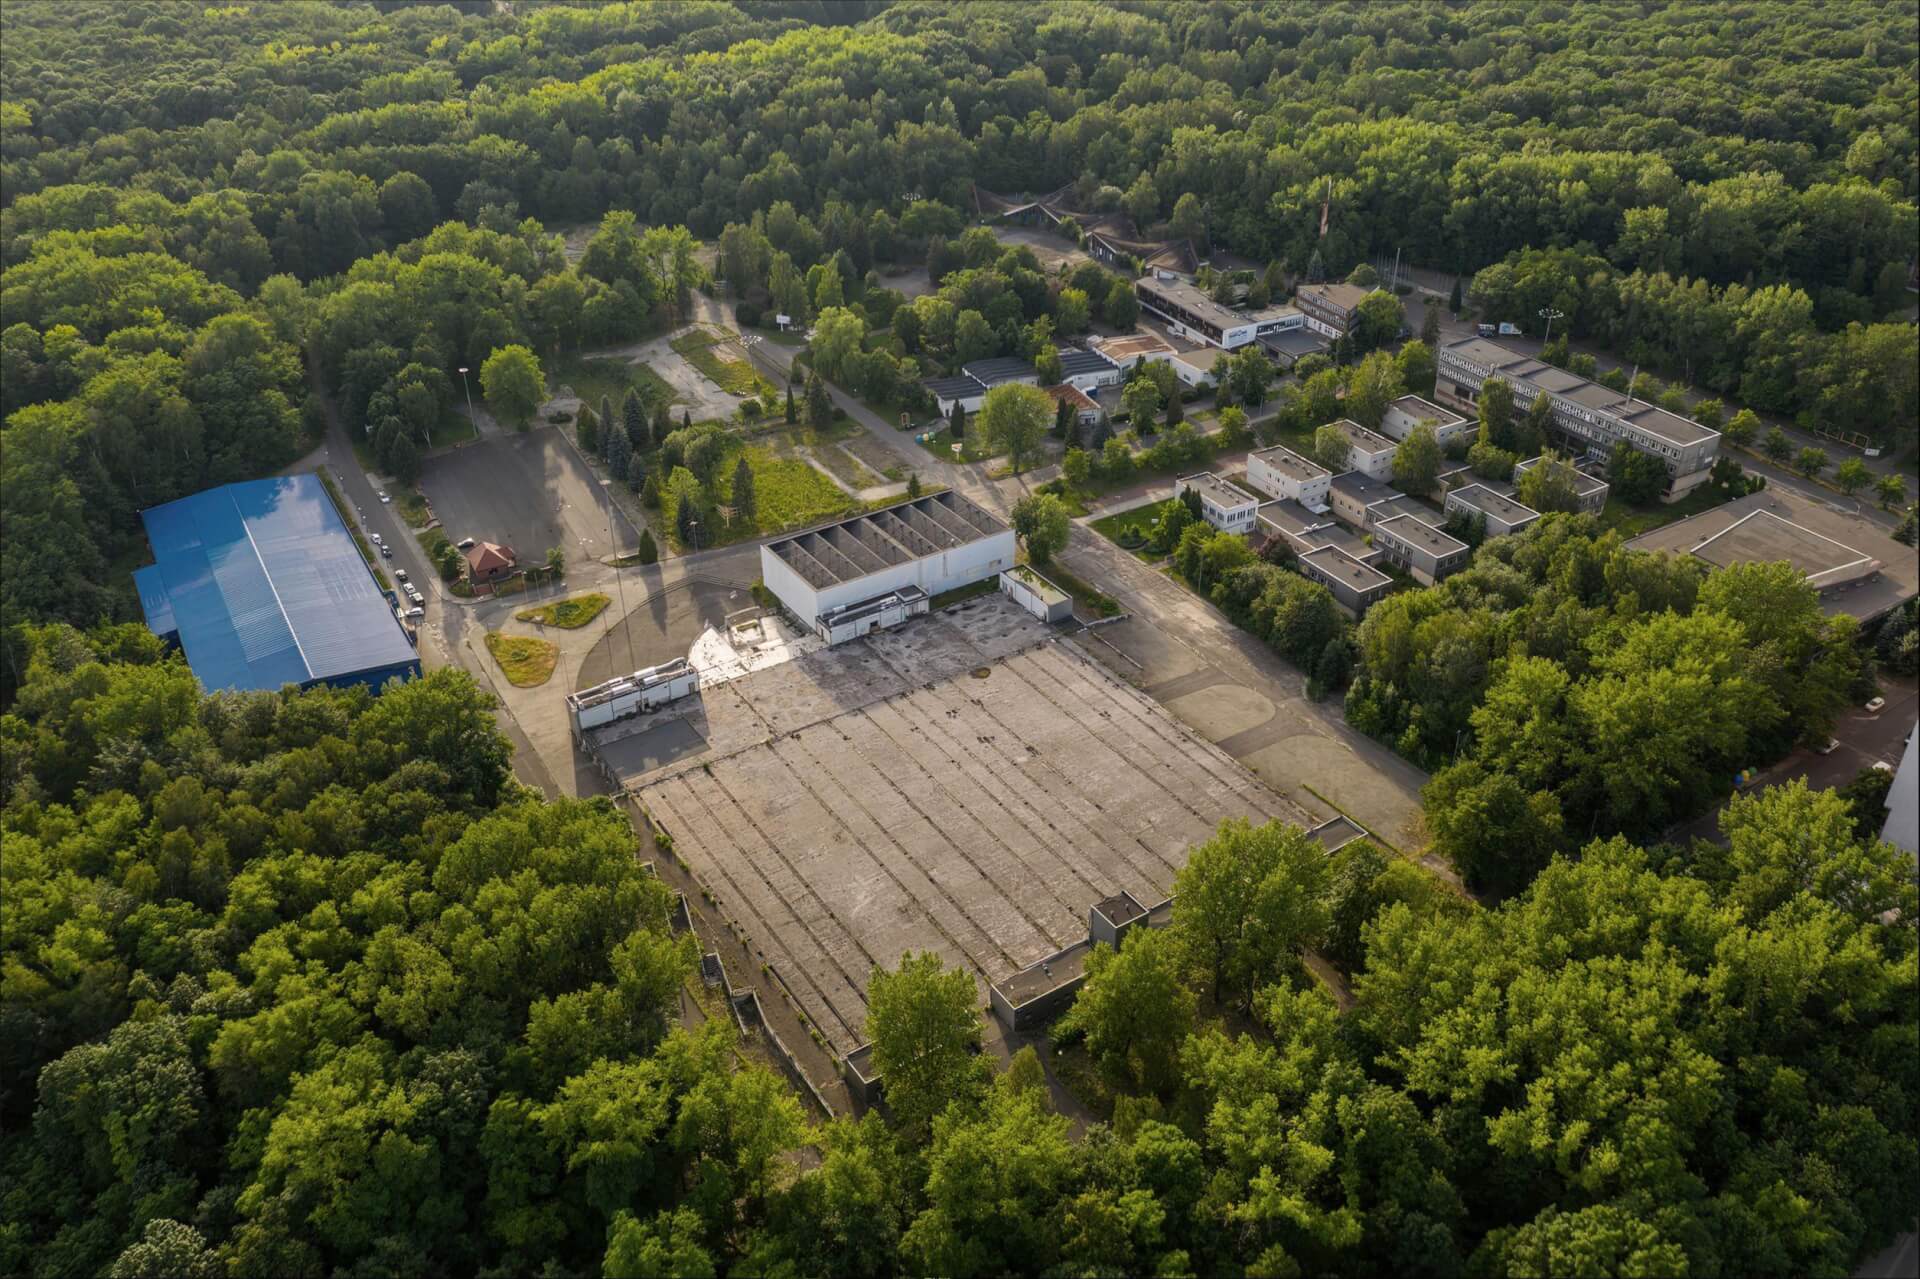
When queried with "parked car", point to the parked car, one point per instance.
{"points": [[1487, 330], [400, 574], [1832, 744], [386, 552], [416, 611], [1509, 330], [1881, 766], [382, 495], [1877, 705], [465, 544], [375, 537]]}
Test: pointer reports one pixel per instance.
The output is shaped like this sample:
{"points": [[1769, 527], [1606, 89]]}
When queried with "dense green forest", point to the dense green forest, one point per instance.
{"points": [[195, 195], [305, 984], [302, 983]]}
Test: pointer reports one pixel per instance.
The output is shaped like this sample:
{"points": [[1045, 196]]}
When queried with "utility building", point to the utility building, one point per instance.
{"points": [[827, 576], [261, 584], [1191, 313]]}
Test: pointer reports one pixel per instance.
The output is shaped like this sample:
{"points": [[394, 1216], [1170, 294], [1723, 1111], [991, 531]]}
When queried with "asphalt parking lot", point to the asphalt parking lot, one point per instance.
{"points": [[528, 491], [659, 628]]}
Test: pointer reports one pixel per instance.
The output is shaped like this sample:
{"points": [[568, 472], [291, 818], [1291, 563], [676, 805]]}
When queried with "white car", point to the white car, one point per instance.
{"points": [[416, 611], [1877, 705], [465, 544], [1832, 744], [375, 537], [400, 574], [382, 495]]}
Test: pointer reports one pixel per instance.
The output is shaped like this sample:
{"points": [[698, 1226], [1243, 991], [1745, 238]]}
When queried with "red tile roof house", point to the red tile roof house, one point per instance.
{"points": [[488, 562]]}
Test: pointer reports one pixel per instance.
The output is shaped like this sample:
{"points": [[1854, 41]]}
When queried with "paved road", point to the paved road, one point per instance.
{"points": [[1865, 739], [1899, 1261]]}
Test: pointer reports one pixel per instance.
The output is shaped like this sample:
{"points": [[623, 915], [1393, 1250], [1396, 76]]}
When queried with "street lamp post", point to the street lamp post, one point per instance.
{"points": [[469, 391], [1549, 314]]}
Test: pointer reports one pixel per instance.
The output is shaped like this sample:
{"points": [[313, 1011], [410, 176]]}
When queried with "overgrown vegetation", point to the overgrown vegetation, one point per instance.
{"points": [[570, 614], [1566, 687]]}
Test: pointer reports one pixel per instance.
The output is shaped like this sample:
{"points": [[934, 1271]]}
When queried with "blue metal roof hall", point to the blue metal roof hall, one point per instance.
{"points": [[262, 585]]}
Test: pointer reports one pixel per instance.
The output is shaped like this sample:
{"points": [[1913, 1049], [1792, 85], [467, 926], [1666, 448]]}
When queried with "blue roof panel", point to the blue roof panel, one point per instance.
{"points": [[266, 587], [153, 600]]}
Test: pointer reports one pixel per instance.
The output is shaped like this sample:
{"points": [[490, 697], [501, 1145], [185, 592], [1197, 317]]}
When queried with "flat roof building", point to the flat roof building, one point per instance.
{"points": [[1278, 471], [1502, 514], [1287, 347], [1304, 530], [1086, 370], [1190, 312], [1197, 368], [1590, 415], [933, 543], [261, 585], [1588, 487], [1409, 411], [1355, 585], [1133, 348], [1368, 452], [970, 385], [1227, 507], [1329, 308], [1855, 566], [1418, 548]]}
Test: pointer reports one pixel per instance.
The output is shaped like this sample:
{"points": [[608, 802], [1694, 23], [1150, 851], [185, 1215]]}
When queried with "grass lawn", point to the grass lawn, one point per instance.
{"points": [[1112, 526], [735, 377], [941, 446], [454, 427], [568, 614], [1632, 521], [611, 378], [524, 660]]}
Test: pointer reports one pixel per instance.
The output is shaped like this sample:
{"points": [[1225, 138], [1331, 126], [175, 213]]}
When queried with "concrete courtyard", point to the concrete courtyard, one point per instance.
{"points": [[968, 785]]}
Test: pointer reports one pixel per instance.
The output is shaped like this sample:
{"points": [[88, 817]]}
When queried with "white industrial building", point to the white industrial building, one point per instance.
{"points": [[968, 388], [634, 694], [1086, 371], [932, 544]]}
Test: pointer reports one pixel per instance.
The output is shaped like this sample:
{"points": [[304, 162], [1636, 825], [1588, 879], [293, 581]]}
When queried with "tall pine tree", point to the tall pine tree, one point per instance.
{"points": [[792, 414], [662, 423], [633, 414], [819, 404], [746, 506], [607, 421]]}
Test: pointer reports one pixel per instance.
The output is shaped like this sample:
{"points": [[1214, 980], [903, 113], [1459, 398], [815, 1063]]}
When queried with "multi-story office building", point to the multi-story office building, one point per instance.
{"points": [[1419, 549], [1190, 313], [1368, 452], [1410, 411], [1354, 585], [1227, 507], [1589, 487], [1280, 472], [1590, 415], [1329, 308], [1503, 514]]}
